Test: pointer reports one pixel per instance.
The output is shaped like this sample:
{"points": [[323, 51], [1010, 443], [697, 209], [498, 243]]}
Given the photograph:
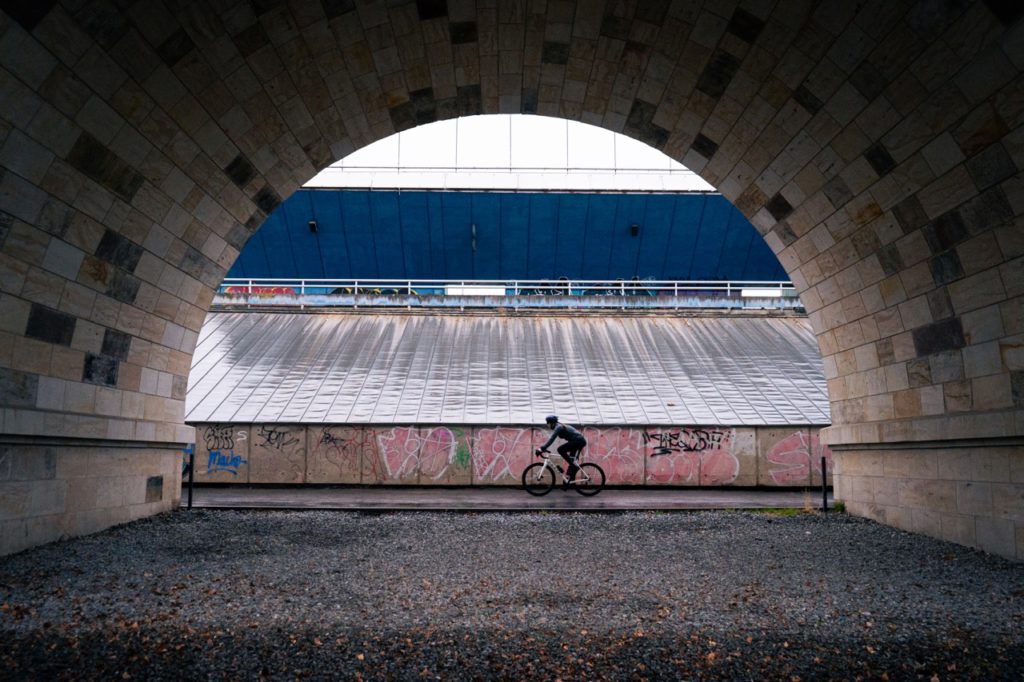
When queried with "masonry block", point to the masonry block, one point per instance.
{"points": [[997, 536], [928, 494], [1008, 501], [974, 498]]}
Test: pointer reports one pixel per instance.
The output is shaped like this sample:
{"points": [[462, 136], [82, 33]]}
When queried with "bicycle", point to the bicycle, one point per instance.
{"points": [[539, 477]]}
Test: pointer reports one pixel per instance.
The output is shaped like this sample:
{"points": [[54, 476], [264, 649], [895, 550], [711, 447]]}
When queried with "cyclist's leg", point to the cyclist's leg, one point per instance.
{"points": [[577, 455], [571, 455], [568, 451]]}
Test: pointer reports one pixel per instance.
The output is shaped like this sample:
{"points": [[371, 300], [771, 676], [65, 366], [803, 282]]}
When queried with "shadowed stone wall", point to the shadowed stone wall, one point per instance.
{"points": [[877, 146], [55, 492]]}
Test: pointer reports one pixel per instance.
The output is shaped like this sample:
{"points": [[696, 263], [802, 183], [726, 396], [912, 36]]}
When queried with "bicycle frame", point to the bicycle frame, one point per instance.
{"points": [[581, 475]]}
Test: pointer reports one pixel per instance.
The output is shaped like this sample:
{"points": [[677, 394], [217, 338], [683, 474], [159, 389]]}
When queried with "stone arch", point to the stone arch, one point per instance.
{"points": [[875, 145]]}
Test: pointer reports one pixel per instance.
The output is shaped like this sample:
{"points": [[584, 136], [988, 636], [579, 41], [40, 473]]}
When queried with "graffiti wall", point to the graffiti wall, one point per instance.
{"points": [[222, 454], [277, 454], [703, 456], [793, 458]]}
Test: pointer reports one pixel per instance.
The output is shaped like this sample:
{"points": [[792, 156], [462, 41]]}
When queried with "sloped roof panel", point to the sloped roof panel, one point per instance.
{"points": [[388, 368]]}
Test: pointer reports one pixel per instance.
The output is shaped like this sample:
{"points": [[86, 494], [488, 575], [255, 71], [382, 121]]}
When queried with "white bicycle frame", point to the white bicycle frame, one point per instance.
{"points": [[581, 475]]}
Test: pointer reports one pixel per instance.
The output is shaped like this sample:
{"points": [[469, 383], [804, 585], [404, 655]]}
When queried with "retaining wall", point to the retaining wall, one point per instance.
{"points": [[497, 455]]}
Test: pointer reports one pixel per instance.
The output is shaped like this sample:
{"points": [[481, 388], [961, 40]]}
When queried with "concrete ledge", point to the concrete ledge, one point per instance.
{"points": [[497, 499], [976, 428]]}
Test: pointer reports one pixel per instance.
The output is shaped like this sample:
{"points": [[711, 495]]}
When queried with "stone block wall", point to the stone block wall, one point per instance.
{"points": [[496, 455], [877, 147], [51, 492], [972, 495]]}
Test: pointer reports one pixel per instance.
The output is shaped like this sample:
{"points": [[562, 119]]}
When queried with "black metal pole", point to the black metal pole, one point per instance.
{"points": [[191, 469], [824, 485]]}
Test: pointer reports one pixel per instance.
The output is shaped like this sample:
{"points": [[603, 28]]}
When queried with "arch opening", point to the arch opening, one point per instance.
{"points": [[876, 148], [727, 394]]}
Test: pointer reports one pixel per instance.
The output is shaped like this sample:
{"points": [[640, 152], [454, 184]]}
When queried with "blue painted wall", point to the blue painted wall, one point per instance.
{"points": [[428, 235]]}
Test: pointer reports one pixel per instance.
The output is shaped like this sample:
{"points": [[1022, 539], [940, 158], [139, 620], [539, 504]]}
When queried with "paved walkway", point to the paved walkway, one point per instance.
{"points": [[495, 499]]}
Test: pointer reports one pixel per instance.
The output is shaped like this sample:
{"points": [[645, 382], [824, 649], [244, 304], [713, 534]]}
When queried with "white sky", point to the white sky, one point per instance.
{"points": [[510, 152]]}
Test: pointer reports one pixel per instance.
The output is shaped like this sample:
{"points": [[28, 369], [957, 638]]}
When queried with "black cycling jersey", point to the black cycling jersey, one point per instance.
{"points": [[566, 432]]}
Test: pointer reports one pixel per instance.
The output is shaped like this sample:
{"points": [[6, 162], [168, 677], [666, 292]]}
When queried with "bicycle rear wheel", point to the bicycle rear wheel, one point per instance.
{"points": [[590, 479], [538, 479]]}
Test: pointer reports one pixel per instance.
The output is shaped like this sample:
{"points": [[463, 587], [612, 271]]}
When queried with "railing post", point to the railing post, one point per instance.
{"points": [[824, 485], [191, 452]]}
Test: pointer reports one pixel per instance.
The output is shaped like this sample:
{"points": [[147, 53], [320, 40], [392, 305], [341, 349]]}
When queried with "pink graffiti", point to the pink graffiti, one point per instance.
{"points": [[399, 450], [501, 453], [437, 452], [718, 467], [407, 451], [795, 457], [714, 465], [620, 452]]}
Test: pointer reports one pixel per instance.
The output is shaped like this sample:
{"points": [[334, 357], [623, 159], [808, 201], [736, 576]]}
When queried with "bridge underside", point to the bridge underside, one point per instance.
{"points": [[876, 147]]}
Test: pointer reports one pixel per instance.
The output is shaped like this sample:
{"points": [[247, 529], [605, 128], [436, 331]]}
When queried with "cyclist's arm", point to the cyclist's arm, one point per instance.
{"points": [[554, 435]]}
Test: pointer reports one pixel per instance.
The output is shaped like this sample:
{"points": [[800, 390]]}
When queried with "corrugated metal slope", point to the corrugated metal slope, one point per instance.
{"points": [[453, 369]]}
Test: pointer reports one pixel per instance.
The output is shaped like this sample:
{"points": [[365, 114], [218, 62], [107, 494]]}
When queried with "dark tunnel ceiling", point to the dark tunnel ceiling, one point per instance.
{"points": [[528, 235]]}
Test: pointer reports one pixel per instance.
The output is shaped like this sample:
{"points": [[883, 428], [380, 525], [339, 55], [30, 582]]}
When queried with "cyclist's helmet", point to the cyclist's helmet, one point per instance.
{"points": [[551, 419]]}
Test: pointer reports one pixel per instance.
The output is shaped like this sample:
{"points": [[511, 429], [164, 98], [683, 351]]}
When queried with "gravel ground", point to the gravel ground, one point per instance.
{"points": [[705, 595]]}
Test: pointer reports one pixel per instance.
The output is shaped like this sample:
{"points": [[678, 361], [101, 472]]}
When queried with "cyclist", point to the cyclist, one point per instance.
{"points": [[570, 449]]}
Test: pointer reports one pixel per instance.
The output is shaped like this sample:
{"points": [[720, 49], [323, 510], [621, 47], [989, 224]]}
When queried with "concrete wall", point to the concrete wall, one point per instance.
{"points": [[50, 492], [497, 455]]}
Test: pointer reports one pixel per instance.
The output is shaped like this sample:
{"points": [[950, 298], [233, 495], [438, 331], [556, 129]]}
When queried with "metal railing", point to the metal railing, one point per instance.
{"points": [[563, 292]]}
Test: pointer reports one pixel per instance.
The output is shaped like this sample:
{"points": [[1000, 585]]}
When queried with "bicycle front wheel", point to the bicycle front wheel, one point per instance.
{"points": [[538, 479], [590, 479]]}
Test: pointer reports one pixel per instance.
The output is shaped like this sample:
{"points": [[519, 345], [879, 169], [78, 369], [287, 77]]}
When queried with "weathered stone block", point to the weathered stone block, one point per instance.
{"points": [[930, 495], [100, 164], [50, 325], [939, 336], [997, 536], [926, 521], [19, 389], [974, 498], [958, 528], [1008, 501]]}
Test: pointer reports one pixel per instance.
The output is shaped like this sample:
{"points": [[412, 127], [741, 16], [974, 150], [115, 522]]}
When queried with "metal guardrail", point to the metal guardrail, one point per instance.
{"points": [[560, 293]]}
